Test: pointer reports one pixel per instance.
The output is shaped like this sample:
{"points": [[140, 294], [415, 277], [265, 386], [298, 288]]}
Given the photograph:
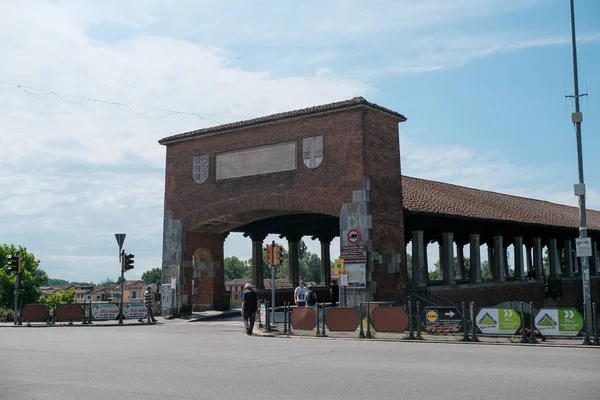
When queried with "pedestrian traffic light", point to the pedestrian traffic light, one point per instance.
{"points": [[14, 264], [277, 260], [127, 262], [269, 254]]}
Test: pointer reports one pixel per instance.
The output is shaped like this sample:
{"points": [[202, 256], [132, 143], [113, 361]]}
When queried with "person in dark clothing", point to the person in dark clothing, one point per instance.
{"points": [[334, 290], [249, 307]]}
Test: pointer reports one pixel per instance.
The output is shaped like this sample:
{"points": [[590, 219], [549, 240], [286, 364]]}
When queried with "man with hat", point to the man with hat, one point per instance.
{"points": [[250, 306]]}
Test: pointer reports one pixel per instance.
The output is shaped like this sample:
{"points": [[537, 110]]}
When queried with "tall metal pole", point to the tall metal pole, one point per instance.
{"points": [[16, 297], [272, 280], [122, 280], [577, 119]]}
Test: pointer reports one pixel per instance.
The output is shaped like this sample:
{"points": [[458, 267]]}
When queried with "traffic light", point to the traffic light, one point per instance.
{"points": [[14, 263], [277, 260], [127, 262], [269, 254]]}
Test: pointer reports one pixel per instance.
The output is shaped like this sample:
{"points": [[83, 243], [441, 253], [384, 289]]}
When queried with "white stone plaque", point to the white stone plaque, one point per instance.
{"points": [[257, 161]]}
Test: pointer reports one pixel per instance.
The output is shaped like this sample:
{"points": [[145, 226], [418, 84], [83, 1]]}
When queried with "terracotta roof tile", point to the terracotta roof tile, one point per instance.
{"points": [[431, 197], [321, 109]]}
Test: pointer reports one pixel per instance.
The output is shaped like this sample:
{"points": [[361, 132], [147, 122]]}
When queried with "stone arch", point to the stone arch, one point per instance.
{"points": [[230, 213]]}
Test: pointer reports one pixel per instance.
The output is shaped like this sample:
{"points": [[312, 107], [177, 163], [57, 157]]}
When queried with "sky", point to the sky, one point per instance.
{"points": [[482, 83]]}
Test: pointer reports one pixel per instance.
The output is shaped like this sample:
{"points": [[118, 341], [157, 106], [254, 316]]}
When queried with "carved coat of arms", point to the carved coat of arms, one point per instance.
{"points": [[312, 151], [200, 168]]}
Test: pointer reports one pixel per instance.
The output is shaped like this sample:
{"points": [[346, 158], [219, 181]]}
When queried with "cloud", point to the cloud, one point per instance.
{"points": [[76, 173]]}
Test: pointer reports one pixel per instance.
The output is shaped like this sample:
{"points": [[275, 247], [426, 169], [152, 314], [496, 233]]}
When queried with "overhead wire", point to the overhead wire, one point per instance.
{"points": [[82, 99]]}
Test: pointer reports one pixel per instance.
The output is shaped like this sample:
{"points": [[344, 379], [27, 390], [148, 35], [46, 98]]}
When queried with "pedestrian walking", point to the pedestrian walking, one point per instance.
{"points": [[249, 307], [300, 295], [148, 298]]}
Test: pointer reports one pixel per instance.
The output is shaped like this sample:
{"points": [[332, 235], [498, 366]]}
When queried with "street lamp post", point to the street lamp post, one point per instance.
{"points": [[577, 118]]}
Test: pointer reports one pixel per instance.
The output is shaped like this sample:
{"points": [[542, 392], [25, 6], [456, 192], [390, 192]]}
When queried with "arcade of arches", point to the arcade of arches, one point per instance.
{"points": [[327, 170]]}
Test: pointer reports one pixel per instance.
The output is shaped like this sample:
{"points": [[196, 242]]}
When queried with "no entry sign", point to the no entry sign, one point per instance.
{"points": [[353, 236]]}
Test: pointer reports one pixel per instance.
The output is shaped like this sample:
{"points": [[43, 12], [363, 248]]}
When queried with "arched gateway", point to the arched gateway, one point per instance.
{"points": [[334, 170]]}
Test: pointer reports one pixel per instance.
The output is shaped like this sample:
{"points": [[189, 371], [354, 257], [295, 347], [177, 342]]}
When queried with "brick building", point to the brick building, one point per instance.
{"points": [[334, 171]]}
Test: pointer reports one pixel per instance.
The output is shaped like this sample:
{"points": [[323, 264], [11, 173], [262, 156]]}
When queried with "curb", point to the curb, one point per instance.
{"points": [[302, 337], [224, 315]]}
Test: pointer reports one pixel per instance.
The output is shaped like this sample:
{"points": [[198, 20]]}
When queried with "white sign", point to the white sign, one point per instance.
{"points": [[559, 321], [263, 313], [498, 321], [583, 247], [344, 280], [134, 311], [173, 283], [105, 311], [166, 300]]}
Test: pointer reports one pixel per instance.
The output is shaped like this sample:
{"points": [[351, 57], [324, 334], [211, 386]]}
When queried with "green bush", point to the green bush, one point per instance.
{"points": [[235, 304], [6, 315]]}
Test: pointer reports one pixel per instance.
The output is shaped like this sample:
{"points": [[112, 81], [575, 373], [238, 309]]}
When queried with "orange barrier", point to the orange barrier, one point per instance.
{"points": [[303, 318], [389, 319], [342, 319], [35, 313], [68, 312]]}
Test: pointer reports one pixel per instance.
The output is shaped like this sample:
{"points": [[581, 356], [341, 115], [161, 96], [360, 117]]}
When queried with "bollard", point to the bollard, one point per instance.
{"points": [[318, 325], [361, 317], [586, 337], [523, 331], [465, 327], [368, 335], [268, 318], [418, 320], [531, 324], [595, 325], [83, 321], [285, 332], [21, 315], [473, 324], [89, 318], [289, 318], [323, 324], [411, 335], [260, 321]]}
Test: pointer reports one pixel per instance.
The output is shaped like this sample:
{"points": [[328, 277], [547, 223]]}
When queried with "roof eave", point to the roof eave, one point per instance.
{"points": [[195, 134]]}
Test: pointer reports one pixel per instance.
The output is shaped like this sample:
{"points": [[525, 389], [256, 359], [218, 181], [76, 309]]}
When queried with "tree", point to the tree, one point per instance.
{"points": [[152, 276], [310, 267], [236, 269], [486, 273], [56, 299], [435, 274], [107, 282], [30, 280]]}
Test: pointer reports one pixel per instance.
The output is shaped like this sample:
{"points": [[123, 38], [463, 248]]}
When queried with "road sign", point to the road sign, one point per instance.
{"points": [[354, 254], [442, 319], [559, 321], [135, 310], [583, 247], [105, 311], [353, 236], [120, 239], [441, 314], [498, 321], [338, 267]]}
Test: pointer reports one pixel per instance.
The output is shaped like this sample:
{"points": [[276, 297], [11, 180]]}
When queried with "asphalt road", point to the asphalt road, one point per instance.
{"points": [[216, 360]]}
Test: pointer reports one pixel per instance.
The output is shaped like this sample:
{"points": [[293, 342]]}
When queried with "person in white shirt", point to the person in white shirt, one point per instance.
{"points": [[300, 295]]}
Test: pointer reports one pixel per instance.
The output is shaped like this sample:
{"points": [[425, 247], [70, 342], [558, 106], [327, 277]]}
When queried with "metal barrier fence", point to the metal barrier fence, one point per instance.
{"points": [[84, 312], [526, 322]]}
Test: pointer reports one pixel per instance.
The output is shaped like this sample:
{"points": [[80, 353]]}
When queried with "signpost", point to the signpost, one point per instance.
{"points": [[263, 314], [559, 321], [120, 240], [354, 254], [498, 321], [442, 319], [135, 310], [338, 267], [105, 311]]}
